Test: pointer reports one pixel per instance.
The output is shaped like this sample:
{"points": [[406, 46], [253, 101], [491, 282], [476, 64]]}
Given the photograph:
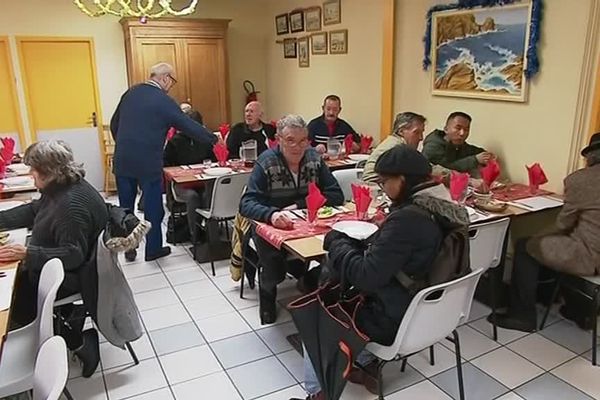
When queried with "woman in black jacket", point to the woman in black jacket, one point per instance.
{"points": [[408, 240]]}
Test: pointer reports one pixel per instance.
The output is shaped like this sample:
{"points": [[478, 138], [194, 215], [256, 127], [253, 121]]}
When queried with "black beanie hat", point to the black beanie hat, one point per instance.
{"points": [[403, 160]]}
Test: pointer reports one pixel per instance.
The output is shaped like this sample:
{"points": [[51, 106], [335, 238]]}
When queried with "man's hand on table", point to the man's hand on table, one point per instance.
{"points": [[281, 221], [12, 252], [321, 149], [485, 157]]}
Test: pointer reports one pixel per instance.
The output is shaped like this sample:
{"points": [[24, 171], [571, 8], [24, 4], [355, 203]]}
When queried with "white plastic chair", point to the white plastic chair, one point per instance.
{"points": [[224, 204], [51, 370], [486, 248], [433, 314], [345, 178], [21, 346]]}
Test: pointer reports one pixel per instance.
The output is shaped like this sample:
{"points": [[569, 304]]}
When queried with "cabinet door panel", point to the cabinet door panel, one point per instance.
{"points": [[153, 51]]}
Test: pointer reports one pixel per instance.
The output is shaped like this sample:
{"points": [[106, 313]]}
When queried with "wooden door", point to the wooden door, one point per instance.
{"points": [[154, 51], [10, 117], [207, 80], [59, 75]]}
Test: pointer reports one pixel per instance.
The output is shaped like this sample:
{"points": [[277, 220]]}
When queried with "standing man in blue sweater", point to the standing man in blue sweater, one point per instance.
{"points": [[139, 127]]}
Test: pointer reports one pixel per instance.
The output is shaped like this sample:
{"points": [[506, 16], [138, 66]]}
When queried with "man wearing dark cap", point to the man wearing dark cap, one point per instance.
{"points": [[408, 240], [574, 249]]}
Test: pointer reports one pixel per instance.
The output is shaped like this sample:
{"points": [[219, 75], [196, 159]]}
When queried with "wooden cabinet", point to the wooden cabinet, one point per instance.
{"points": [[197, 49]]}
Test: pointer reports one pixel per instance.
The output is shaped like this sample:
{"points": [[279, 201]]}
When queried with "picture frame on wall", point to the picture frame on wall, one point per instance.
{"points": [[303, 52], [282, 24], [332, 12], [289, 48], [297, 21], [318, 43], [338, 41], [312, 19]]}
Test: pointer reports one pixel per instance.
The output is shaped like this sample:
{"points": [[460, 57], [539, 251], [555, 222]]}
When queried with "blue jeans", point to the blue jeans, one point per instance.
{"points": [[311, 382], [153, 205]]}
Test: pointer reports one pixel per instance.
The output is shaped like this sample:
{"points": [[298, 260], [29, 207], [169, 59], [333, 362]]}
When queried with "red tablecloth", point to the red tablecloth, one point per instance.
{"points": [[517, 191]]}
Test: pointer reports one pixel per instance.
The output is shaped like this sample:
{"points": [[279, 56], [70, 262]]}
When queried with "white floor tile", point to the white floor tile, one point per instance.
{"points": [[208, 307], [189, 364], [252, 317], [422, 390], [504, 335], [507, 367], [142, 268], [245, 377], [250, 298], [294, 363], [165, 317], [176, 338], [128, 381], [162, 394], [187, 275], [472, 343], [229, 351], [215, 386], [510, 396], [222, 326], [148, 282], [541, 351], [581, 374], [221, 268], [196, 290], [91, 388], [444, 360], [156, 299], [113, 356], [294, 391], [275, 336], [175, 262], [478, 310], [226, 284]]}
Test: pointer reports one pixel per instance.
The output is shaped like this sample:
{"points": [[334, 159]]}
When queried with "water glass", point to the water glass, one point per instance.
{"points": [[207, 163], [333, 149]]}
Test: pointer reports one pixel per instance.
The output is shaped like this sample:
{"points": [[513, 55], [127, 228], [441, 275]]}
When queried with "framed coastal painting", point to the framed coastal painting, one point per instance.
{"points": [[318, 43], [312, 19], [338, 41], [332, 13], [289, 48], [303, 53], [297, 21], [281, 24], [481, 52]]}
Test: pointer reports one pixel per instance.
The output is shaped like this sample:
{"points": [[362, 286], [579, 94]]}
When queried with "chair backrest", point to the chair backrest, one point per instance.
{"points": [[432, 315], [345, 178], [487, 243], [226, 196], [50, 280], [51, 370]]}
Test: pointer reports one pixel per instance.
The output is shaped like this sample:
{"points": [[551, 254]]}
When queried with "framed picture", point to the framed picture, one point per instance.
{"points": [[318, 43], [312, 19], [289, 48], [486, 59], [282, 24], [303, 54], [338, 41], [297, 21], [332, 13]]}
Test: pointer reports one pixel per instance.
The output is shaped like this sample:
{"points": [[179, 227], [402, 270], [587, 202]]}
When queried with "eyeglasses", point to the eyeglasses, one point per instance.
{"points": [[381, 182], [292, 143], [173, 79]]}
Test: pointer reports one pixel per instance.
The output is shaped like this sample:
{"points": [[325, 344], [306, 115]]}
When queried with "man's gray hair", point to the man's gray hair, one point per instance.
{"points": [[162, 68], [405, 120], [290, 121], [593, 157], [53, 159]]}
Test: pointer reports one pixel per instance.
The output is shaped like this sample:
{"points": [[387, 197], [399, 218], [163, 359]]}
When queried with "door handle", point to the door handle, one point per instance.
{"points": [[93, 120]]}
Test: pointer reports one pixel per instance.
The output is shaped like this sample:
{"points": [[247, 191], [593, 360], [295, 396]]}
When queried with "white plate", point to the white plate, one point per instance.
{"points": [[18, 168], [7, 205], [358, 157], [217, 171], [359, 230], [18, 181]]}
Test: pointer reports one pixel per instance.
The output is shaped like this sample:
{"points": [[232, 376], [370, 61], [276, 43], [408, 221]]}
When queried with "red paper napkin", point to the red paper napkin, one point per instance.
{"points": [[221, 153], [170, 133], [224, 129], [273, 143], [274, 123], [348, 142], [8, 150], [314, 201], [490, 172], [362, 199], [458, 184], [365, 143], [537, 177]]}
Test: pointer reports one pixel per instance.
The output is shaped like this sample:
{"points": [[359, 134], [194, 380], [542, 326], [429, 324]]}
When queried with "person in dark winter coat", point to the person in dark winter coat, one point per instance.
{"points": [[408, 241]]}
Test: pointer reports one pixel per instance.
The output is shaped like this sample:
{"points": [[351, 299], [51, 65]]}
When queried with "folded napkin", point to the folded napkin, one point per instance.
{"points": [[2, 170], [362, 199], [221, 153], [273, 143], [537, 177], [365, 143], [8, 149], [314, 201], [458, 184], [348, 142], [170, 133], [224, 129], [490, 173]]}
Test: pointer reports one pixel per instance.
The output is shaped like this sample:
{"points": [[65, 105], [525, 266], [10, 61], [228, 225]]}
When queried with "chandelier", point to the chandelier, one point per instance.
{"points": [[134, 8]]}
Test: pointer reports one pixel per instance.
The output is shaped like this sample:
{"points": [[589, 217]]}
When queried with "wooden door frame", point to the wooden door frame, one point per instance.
{"points": [[90, 41], [13, 88]]}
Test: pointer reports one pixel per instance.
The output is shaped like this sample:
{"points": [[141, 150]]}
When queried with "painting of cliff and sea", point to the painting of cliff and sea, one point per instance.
{"points": [[481, 52]]}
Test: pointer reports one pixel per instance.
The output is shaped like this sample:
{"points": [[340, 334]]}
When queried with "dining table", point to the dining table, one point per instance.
{"points": [[182, 174]]}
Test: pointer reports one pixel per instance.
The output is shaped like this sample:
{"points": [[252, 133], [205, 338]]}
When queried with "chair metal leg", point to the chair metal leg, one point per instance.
{"points": [[461, 387], [493, 282], [431, 355], [243, 278], [552, 301], [132, 353], [595, 325], [209, 239], [380, 379], [67, 394], [404, 362]]}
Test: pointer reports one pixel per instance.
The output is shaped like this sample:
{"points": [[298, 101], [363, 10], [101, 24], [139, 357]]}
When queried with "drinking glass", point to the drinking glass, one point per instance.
{"points": [[333, 149], [207, 163]]}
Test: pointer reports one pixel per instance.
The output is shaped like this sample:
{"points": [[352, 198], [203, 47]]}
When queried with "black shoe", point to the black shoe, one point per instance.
{"points": [[89, 353], [583, 322], [163, 252], [130, 255], [267, 306], [508, 322]]}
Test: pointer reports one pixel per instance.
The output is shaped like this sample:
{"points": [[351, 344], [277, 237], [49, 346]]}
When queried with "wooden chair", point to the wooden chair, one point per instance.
{"points": [[110, 184]]}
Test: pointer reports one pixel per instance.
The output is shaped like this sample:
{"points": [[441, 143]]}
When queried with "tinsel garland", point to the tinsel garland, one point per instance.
{"points": [[533, 62]]}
